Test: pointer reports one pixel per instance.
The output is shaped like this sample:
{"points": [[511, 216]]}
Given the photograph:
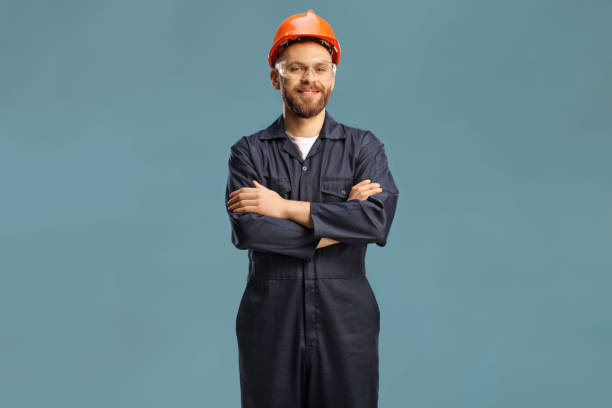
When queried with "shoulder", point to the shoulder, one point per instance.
{"points": [[256, 139], [248, 143], [370, 140], [358, 136], [365, 142], [247, 140]]}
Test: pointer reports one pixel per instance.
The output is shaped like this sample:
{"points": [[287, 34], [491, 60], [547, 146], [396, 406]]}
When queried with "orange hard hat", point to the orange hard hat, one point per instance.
{"points": [[304, 25]]}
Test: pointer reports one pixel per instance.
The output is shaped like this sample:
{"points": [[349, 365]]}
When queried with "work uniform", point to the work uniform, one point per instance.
{"points": [[308, 322]]}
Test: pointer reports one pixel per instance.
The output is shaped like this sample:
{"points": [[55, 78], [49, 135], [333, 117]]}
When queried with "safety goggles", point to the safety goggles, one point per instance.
{"points": [[296, 69]]}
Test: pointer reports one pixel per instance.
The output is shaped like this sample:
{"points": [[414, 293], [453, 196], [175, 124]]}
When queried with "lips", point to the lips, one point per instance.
{"points": [[308, 91]]}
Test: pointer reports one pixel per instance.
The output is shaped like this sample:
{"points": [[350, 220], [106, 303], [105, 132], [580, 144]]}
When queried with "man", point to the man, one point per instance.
{"points": [[306, 196]]}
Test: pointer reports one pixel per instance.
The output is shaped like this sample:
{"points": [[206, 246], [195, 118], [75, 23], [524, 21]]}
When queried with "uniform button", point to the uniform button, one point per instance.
{"points": [[343, 191], [304, 168]]}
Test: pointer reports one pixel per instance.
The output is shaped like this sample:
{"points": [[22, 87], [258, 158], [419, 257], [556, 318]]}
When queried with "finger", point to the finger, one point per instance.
{"points": [[369, 186], [242, 204], [246, 209], [374, 191], [362, 182], [243, 189], [258, 184], [242, 196], [366, 194]]}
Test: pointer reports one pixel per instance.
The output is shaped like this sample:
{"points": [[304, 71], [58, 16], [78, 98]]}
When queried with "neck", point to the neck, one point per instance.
{"points": [[302, 127]]}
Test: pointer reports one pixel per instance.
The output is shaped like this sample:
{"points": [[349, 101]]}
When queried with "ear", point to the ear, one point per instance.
{"points": [[274, 79]]}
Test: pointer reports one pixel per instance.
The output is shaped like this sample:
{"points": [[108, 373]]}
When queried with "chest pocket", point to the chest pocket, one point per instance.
{"points": [[281, 185], [336, 189]]}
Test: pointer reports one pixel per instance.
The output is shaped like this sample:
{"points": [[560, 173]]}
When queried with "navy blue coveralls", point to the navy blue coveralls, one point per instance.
{"points": [[308, 322]]}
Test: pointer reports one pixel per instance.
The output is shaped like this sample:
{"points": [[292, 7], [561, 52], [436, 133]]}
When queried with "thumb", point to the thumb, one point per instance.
{"points": [[258, 184]]}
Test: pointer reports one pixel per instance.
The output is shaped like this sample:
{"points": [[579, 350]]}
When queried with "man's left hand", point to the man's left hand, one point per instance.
{"points": [[258, 199]]}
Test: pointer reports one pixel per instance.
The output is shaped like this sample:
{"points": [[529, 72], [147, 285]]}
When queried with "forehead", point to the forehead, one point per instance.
{"points": [[305, 51]]}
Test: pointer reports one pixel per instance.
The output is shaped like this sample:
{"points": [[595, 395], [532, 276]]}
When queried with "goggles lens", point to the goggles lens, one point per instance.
{"points": [[322, 70]]}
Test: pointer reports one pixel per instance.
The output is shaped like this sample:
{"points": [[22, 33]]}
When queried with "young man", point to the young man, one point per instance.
{"points": [[306, 196]]}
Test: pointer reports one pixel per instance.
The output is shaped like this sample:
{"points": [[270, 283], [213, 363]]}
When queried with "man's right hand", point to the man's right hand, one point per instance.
{"points": [[363, 190]]}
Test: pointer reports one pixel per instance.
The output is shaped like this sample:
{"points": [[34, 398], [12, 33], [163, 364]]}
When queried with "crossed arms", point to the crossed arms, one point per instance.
{"points": [[263, 221]]}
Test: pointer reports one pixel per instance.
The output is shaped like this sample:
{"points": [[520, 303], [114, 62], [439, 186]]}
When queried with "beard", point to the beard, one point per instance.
{"points": [[306, 107]]}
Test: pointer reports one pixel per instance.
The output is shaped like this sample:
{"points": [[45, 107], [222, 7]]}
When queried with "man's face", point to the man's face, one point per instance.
{"points": [[303, 104]]}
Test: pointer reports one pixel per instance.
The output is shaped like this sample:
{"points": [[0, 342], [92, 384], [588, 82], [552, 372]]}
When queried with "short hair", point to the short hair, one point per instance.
{"points": [[282, 46]]}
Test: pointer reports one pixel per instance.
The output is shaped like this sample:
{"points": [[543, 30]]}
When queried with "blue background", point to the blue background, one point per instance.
{"points": [[120, 285]]}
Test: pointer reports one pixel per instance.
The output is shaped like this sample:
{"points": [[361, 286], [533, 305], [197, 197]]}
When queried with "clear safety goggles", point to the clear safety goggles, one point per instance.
{"points": [[296, 69]]}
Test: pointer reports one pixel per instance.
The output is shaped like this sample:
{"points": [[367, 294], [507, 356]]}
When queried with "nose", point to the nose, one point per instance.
{"points": [[308, 71]]}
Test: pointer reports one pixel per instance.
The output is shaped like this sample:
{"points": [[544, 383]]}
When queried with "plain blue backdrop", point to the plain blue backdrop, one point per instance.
{"points": [[119, 284]]}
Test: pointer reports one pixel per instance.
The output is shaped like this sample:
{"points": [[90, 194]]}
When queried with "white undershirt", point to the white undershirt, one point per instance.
{"points": [[303, 143]]}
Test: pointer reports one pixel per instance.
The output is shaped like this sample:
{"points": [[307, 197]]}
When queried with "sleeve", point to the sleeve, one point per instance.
{"points": [[261, 232], [356, 221]]}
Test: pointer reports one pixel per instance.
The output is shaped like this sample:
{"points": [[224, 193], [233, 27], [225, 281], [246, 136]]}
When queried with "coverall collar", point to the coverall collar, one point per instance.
{"points": [[330, 130]]}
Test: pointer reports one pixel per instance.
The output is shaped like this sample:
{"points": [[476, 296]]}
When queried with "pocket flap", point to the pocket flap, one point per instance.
{"points": [[337, 187], [280, 185]]}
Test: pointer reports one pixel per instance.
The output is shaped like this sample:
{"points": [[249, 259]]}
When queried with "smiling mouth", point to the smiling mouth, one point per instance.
{"points": [[309, 93]]}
